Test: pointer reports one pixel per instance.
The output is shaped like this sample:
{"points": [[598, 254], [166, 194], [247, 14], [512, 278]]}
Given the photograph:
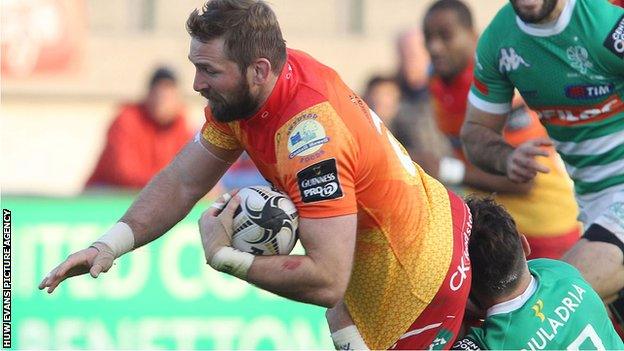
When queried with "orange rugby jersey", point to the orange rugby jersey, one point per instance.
{"points": [[549, 209], [317, 141]]}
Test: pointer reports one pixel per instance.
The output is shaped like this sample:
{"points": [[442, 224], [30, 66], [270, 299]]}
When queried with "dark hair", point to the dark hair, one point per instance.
{"points": [[249, 28], [462, 10], [495, 248], [160, 74], [379, 79]]}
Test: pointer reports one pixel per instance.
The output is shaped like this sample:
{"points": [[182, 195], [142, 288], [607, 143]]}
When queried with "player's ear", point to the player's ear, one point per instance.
{"points": [[261, 70], [525, 245]]}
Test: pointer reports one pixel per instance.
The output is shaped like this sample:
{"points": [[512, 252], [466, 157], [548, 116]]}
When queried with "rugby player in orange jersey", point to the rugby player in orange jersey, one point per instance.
{"points": [[381, 237], [544, 209]]}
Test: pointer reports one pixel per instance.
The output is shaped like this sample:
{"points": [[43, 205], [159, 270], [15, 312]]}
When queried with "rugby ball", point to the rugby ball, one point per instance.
{"points": [[265, 223]]}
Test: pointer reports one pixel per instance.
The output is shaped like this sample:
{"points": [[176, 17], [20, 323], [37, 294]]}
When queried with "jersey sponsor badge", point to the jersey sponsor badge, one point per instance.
{"points": [[614, 41], [306, 137], [538, 308], [319, 182], [589, 91]]}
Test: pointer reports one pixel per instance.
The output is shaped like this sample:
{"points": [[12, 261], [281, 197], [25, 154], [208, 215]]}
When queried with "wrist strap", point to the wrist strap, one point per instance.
{"points": [[348, 338], [119, 238], [232, 261]]}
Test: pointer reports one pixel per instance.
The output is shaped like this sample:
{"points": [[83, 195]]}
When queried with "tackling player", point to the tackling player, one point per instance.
{"points": [[379, 233], [544, 208], [566, 58], [541, 304]]}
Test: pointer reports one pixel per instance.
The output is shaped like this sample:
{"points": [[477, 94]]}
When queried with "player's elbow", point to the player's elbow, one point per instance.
{"points": [[333, 291], [466, 136], [329, 297]]}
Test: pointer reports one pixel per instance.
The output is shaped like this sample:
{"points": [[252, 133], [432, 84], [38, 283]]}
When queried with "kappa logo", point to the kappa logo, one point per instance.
{"points": [[615, 39], [510, 61], [579, 58], [537, 308]]}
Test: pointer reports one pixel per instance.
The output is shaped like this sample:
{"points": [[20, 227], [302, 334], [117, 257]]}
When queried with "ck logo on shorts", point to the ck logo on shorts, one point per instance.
{"points": [[461, 273], [615, 39], [319, 182]]}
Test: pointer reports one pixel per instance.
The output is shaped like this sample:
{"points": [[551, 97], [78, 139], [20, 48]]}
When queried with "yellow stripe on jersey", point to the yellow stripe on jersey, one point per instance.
{"points": [[219, 138]]}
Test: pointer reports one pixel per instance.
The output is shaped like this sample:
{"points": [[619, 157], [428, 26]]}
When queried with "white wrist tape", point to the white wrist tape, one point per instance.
{"points": [[348, 338], [119, 238], [221, 205], [451, 171], [231, 261]]}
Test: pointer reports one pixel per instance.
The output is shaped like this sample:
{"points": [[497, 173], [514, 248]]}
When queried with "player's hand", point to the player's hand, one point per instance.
{"points": [[215, 225], [521, 163], [94, 260]]}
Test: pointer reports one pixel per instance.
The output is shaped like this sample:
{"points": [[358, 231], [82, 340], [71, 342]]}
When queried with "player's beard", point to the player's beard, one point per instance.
{"points": [[240, 105], [547, 8]]}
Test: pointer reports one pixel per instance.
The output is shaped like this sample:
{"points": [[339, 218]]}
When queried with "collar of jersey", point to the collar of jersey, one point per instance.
{"points": [[515, 303], [549, 29], [281, 94]]}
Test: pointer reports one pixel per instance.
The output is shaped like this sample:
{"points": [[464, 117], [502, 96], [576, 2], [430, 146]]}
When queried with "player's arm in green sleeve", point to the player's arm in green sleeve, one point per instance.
{"points": [[489, 104]]}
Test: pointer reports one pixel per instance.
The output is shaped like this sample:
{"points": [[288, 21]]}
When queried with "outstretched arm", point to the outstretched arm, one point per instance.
{"points": [[159, 206], [169, 197]]}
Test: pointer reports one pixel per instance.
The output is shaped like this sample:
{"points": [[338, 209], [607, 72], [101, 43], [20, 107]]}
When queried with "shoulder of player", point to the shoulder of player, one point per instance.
{"points": [[553, 268], [310, 100], [501, 25]]}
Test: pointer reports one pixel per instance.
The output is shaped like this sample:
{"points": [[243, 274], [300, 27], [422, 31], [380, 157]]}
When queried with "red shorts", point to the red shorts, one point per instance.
{"points": [[553, 246], [438, 325]]}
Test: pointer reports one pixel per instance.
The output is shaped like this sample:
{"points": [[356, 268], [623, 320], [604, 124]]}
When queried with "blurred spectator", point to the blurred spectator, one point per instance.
{"points": [[383, 96], [414, 126], [413, 67], [144, 137]]}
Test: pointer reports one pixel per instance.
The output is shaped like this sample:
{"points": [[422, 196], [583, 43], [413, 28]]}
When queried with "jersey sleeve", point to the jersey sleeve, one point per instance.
{"points": [[219, 134], [316, 157], [491, 91]]}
